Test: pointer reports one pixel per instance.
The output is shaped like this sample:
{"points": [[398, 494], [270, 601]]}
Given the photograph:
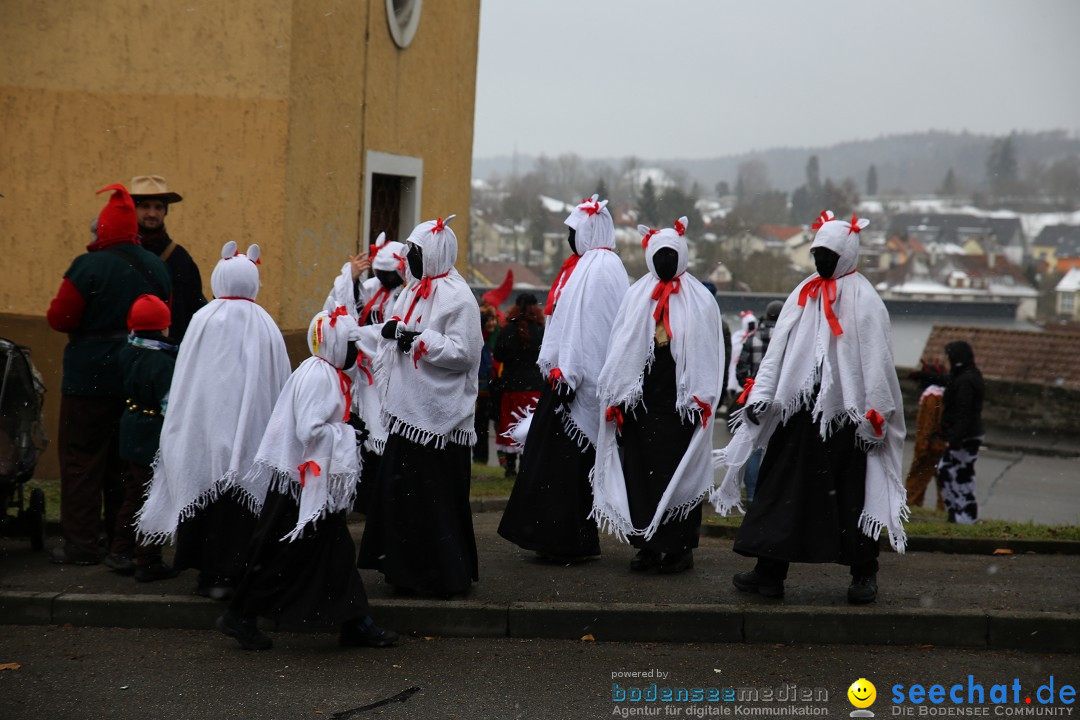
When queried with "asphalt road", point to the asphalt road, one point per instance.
{"points": [[67, 672]]}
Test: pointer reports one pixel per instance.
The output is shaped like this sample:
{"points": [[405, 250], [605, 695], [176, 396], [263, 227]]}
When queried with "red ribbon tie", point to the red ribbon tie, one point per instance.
{"points": [[645, 240], [615, 415], [555, 377], [339, 311], [876, 421], [662, 293], [748, 385], [560, 282], [304, 467], [706, 412], [420, 351]]}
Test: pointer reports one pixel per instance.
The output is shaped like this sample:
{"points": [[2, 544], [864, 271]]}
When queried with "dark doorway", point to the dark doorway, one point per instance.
{"points": [[386, 191]]}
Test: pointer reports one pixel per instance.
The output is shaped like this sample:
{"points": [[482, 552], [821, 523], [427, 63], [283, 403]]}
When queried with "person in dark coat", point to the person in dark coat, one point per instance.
{"points": [[147, 363], [152, 200], [962, 427], [92, 306], [520, 383]]}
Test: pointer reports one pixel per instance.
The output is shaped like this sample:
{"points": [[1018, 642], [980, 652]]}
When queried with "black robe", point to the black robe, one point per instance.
{"points": [[419, 530], [215, 539], [548, 510], [310, 581], [654, 440], [809, 498]]}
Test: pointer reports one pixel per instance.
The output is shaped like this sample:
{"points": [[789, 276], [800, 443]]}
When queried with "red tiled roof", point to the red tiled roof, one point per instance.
{"points": [[781, 232], [1031, 356]]}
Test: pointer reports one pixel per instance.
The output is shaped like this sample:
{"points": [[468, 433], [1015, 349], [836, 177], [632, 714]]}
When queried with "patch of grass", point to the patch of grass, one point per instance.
{"points": [[927, 522], [52, 496], [489, 482]]}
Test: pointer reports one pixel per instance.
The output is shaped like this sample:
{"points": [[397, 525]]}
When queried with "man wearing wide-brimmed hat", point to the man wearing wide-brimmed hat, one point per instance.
{"points": [[152, 200]]}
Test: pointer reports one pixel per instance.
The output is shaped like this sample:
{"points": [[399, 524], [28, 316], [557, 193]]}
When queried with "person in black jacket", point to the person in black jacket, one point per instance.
{"points": [[520, 384], [962, 428], [152, 200]]}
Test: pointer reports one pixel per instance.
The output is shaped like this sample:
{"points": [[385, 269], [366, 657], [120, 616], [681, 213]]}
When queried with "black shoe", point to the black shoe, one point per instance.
{"points": [[59, 556], [121, 564], [645, 559], [754, 582], [365, 633], [246, 632], [215, 588], [677, 562], [863, 589], [155, 571]]}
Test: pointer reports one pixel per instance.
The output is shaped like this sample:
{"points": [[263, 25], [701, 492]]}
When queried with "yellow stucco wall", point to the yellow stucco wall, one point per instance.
{"points": [[259, 112], [416, 102]]}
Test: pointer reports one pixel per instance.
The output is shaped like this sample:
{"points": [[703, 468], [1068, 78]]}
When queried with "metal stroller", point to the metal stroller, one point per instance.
{"points": [[22, 441]]}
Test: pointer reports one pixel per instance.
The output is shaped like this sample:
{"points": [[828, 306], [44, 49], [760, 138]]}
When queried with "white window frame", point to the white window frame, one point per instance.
{"points": [[405, 166]]}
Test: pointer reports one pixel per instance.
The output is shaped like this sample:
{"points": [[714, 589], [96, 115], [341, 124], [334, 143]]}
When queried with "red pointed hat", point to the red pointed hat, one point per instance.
{"points": [[148, 312], [497, 296], [117, 222]]}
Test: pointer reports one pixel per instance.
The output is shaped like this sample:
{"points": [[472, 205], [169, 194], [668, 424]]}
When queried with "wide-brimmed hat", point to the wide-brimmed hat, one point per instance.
{"points": [[152, 186]]}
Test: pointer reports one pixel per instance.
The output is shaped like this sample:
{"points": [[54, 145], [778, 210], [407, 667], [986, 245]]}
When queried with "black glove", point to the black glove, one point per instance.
{"points": [[360, 429], [564, 393], [389, 329], [752, 412], [405, 342]]}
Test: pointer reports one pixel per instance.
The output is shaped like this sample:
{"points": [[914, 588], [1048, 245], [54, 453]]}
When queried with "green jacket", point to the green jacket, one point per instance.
{"points": [[147, 369], [109, 280]]}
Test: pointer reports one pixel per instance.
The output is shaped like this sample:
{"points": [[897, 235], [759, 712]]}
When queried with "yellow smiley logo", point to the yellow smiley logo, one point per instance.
{"points": [[862, 693]]}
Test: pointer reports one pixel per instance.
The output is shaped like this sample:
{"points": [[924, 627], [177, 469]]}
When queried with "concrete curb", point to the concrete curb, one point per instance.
{"points": [[949, 545], [613, 622]]}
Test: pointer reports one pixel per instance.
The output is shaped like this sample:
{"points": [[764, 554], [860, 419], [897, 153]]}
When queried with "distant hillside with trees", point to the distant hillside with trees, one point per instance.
{"points": [[916, 163]]}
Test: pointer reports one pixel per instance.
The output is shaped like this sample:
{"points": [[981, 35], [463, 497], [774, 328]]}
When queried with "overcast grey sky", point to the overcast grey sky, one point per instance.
{"points": [[703, 78]]}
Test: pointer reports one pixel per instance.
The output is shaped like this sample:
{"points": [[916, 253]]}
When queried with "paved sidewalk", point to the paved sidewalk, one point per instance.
{"points": [[1021, 601]]}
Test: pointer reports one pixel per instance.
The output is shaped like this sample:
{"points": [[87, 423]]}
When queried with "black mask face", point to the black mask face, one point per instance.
{"points": [[665, 262], [415, 259], [825, 261], [350, 356], [572, 240], [388, 278]]}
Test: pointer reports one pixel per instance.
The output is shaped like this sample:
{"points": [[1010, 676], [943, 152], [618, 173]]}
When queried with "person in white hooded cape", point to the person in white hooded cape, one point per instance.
{"points": [[826, 405], [229, 371], [548, 510], [659, 386], [419, 531], [369, 301], [301, 560]]}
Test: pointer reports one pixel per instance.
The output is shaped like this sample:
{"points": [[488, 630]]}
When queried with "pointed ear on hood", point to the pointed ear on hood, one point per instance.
{"points": [[228, 250], [449, 219], [381, 240], [253, 253], [681, 224]]}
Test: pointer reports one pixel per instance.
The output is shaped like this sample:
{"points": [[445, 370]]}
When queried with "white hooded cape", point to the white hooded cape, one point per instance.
{"points": [[696, 346], [429, 394], [308, 426], [857, 375], [229, 371], [576, 337]]}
